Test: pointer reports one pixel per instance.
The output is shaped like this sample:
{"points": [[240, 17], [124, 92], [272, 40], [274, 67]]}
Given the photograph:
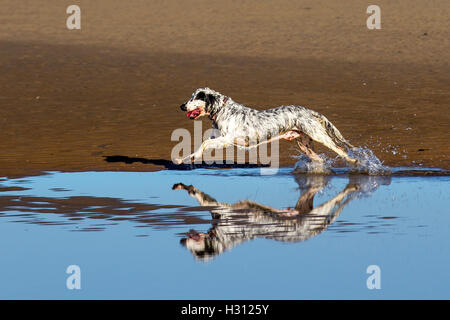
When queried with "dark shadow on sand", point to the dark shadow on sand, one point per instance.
{"points": [[168, 164]]}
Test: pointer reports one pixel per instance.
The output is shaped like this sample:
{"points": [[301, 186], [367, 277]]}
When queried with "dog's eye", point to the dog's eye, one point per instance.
{"points": [[200, 96]]}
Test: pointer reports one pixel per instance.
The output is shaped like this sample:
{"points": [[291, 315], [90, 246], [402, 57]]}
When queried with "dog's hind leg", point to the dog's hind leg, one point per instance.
{"points": [[305, 143], [331, 145], [321, 130], [328, 142]]}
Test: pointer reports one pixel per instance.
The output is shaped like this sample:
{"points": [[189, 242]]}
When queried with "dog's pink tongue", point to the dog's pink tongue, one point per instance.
{"points": [[193, 113]]}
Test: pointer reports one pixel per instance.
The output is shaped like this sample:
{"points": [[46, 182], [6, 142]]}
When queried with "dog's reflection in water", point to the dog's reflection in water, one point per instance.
{"points": [[246, 220]]}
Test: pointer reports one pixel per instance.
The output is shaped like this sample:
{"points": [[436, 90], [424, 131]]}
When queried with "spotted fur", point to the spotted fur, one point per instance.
{"points": [[247, 127]]}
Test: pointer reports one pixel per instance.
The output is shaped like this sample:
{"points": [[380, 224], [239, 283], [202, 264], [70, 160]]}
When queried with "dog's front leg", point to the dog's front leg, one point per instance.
{"points": [[201, 197], [192, 156], [216, 143]]}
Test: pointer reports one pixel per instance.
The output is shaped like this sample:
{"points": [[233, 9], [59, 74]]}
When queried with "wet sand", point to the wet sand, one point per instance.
{"points": [[69, 100]]}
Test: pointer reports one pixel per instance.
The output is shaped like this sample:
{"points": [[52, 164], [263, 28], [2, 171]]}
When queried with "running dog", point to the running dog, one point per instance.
{"points": [[247, 128]]}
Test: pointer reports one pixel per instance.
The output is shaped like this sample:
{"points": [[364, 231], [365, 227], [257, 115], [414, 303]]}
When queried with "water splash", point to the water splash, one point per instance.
{"points": [[305, 165], [368, 164]]}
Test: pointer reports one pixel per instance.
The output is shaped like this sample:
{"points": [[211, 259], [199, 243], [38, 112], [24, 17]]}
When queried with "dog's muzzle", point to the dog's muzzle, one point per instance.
{"points": [[183, 107], [194, 113]]}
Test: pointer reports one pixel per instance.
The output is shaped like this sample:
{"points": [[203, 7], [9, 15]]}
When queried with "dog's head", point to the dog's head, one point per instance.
{"points": [[204, 101], [203, 246]]}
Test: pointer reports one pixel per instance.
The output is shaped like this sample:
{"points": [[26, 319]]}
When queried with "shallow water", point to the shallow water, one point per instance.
{"points": [[225, 234]]}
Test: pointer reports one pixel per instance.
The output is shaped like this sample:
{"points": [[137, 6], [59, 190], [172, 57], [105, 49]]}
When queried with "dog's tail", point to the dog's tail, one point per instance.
{"points": [[334, 133]]}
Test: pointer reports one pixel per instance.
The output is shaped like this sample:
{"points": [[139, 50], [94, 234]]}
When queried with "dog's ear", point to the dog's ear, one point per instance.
{"points": [[210, 100], [200, 96]]}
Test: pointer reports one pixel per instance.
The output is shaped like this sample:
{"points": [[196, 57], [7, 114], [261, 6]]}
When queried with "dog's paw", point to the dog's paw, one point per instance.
{"points": [[177, 161]]}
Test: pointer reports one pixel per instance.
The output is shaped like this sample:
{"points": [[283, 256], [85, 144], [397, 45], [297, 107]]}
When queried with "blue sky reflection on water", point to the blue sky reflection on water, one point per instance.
{"points": [[124, 230]]}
